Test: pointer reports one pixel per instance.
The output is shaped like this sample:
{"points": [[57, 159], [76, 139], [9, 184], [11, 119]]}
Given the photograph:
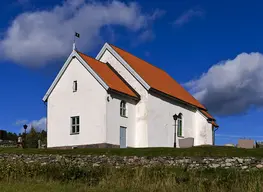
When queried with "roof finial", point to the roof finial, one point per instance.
{"points": [[74, 43], [74, 46]]}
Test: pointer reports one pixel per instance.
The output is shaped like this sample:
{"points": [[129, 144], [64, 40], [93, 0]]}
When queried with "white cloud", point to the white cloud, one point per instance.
{"points": [[39, 125], [157, 14], [188, 15], [35, 38], [21, 122], [231, 87], [146, 35]]}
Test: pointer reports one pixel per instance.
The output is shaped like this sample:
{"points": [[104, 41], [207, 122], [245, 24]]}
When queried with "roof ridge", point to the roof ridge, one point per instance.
{"points": [[138, 58], [90, 57]]}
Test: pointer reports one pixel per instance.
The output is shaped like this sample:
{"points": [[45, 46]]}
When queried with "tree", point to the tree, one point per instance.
{"points": [[11, 136], [3, 135], [43, 136], [32, 138]]}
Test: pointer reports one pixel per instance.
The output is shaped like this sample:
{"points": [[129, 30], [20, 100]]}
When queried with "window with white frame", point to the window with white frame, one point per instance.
{"points": [[180, 125], [75, 86], [75, 125], [123, 109]]}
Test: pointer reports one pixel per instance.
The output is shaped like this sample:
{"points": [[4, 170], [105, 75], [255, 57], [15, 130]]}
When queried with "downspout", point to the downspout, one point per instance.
{"points": [[108, 99], [214, 130]]}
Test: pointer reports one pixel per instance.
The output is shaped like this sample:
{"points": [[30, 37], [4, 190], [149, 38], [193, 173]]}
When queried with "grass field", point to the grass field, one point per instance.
{"points": [[55, 179], [22, 177], [191, 152]]}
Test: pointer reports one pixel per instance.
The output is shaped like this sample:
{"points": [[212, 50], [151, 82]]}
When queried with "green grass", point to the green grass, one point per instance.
{"points": [[55, 178], [18, 176], [190, 152]]}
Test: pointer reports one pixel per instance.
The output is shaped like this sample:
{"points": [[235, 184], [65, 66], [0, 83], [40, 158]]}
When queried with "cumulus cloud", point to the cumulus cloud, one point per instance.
{"points": [[21, 122], [39, 124], [231, 87], [188, 15], [35, 38]]}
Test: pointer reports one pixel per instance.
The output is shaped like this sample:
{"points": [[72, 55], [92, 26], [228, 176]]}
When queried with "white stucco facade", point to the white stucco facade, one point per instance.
{"points": [[141, 119], [154, 125], [203, 130], [115, 121], [99, 111], [162, 126], [161, 123], [89, 103], [149, 121]]}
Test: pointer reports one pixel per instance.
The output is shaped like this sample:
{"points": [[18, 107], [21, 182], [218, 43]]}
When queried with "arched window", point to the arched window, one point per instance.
{"points": [[180, 125], [123, 109]]}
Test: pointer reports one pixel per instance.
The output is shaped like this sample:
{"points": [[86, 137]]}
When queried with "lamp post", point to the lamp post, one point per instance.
{"points": [[175, 134], [175, 117], [25, 127]]}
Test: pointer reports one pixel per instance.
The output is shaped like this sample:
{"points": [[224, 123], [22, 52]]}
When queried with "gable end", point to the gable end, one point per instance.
{"points": [[73, 55], [138, 97], [124, 63]]}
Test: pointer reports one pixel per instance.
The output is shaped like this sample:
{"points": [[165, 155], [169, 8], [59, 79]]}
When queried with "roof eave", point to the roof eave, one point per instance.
{"points": [[125, 64], [73, 54], [123, 80], [212, 121], [201, 111], [172, 97], [135, 98], [62, 70]]}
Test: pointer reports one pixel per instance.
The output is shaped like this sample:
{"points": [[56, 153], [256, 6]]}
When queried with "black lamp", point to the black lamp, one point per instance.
{"points": [[175, 117], [25, 127]]}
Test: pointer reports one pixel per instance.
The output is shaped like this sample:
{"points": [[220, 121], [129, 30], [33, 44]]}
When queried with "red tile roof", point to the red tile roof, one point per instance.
{"points": [[214, 124], [210, 117], [207, 114], [160, 80], [107, 75], [157, 78]]}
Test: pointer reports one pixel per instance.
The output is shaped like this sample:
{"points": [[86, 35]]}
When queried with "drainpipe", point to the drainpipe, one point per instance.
{"points": [[214, 130]]}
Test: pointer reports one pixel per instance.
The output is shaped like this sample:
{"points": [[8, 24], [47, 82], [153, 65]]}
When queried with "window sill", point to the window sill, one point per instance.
{"points": [[180, 137], [74, 133], [124, 116]]}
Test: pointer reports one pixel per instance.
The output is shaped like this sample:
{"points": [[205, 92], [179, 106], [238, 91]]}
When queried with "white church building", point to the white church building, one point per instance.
{"points": [[120, 100]]}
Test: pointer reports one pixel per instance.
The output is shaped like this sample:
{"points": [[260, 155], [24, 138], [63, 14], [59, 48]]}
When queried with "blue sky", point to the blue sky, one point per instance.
{"points": [[212, 48]]}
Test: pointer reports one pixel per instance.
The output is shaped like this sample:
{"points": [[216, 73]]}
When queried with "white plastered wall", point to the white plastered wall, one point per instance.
{"points": [[154, 124], [162, 125], [141, 116], [89, 102], [115, 121], [203, 131]]}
